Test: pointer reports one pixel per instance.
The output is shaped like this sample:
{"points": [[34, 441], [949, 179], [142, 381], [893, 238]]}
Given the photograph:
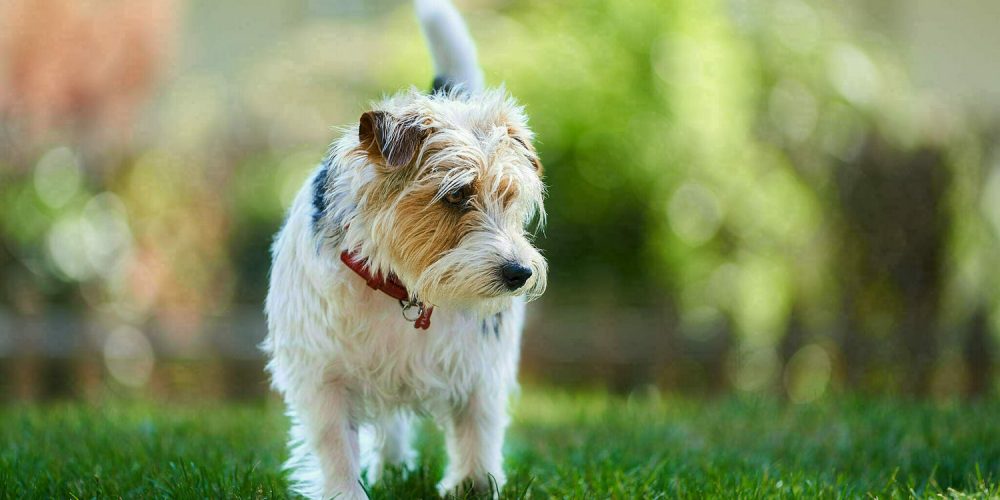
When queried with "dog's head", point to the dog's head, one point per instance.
{"points": [[449, 185]]}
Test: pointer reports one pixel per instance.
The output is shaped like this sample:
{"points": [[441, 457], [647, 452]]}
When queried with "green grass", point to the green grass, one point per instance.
{"points": [[561, 445]]}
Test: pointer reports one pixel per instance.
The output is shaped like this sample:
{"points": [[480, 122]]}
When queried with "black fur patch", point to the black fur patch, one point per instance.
{"points": [[492, 324], [319, 196], [441, 84]]}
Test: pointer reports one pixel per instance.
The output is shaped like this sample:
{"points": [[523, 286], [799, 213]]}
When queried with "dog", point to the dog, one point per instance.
{"points": [[400, 277]]}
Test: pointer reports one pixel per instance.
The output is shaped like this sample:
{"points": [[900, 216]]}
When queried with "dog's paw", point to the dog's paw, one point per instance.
{"points": [[479, 485], [355, 492], [461, 489], [377, 471]]}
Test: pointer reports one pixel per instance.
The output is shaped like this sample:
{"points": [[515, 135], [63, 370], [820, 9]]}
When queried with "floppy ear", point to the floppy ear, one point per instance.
{"points": [[389, 141]]}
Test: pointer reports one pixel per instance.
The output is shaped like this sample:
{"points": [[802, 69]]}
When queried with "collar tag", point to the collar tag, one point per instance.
{"points": [[392, 287]]}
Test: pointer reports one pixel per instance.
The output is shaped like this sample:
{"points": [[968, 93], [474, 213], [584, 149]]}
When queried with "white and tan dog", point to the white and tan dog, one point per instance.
{"points": [[420, 207]]}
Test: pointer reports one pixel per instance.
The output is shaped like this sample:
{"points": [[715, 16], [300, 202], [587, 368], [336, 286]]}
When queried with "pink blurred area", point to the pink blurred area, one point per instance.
{"points": [[82, 66]]}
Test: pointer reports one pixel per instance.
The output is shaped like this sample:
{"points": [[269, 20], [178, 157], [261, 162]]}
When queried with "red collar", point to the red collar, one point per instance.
{"points": [[390, 286]]}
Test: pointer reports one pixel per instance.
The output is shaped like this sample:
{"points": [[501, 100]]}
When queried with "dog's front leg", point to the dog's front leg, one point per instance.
{"points": [[323, 411], [474, 436]]}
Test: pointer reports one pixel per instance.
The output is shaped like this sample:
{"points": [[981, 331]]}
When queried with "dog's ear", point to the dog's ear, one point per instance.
{"points": [[389, 141]]}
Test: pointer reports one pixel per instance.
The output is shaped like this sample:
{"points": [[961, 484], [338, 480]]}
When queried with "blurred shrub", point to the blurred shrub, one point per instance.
{"points": [[757, 166], [755, 171]]}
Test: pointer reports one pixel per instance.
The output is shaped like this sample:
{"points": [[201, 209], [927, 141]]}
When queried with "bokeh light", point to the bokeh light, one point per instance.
{"points": [[58, 177], [807, 374], [128, 356], [754, 370], [773, 196], [695, 213]]}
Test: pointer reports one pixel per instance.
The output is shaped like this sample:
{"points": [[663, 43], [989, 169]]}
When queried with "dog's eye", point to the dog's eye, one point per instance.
{"points": [[458, 197]]}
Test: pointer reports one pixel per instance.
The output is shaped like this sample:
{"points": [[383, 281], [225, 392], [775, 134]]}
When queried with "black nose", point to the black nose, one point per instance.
{"points": [[514, 275]]}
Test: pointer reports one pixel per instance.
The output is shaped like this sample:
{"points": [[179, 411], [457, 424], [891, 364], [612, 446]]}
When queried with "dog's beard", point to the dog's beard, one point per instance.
{"points": [[468, 276]]}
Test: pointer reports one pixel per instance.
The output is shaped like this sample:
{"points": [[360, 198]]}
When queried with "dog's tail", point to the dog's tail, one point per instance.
{"points": [[452, 48]]}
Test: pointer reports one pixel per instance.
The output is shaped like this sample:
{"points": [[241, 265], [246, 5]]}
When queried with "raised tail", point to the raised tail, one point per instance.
{"points": [[452, 48]]}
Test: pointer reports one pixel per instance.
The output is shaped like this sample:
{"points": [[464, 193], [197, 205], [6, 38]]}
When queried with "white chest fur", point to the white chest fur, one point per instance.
{"points": [[323, 315]]}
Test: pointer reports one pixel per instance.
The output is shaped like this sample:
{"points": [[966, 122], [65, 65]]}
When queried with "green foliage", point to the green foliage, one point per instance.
{"points": [[561, 445], [741, 169]]}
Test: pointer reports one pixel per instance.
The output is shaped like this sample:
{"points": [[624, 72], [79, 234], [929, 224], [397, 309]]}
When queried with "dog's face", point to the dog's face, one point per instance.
{"points": [[454, 185]]}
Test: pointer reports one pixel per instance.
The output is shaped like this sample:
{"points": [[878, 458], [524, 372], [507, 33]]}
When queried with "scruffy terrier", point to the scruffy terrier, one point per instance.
{"points": [[422, 207]]}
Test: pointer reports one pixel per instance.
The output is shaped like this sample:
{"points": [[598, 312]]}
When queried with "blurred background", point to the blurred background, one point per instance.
{"points": [[787, 197]]}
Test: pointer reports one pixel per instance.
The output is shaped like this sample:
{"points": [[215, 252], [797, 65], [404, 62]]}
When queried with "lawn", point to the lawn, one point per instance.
{"points": [[567, 445]]}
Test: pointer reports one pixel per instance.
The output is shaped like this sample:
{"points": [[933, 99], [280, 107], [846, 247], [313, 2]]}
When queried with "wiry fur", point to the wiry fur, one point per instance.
{"points": [[352, 370]]}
